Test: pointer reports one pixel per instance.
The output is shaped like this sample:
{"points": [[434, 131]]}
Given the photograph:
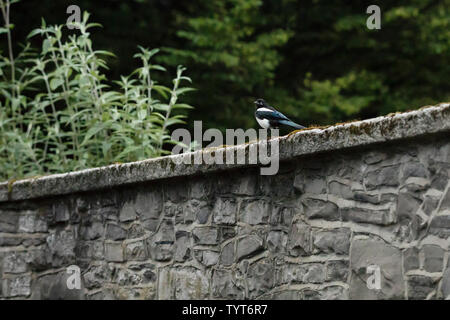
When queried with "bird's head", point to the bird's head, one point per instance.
{"points": [[260, 103]]}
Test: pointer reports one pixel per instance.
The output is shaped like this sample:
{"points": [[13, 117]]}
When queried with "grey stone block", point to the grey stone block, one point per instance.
{"points": [[17, 286], [226, 285], [337, 270], [439, 181], [200, 188], [255, 212], [279, 185], [174, 210], [445, 204], [299, 242], [227, 232], [203, 214], [166, 232], [277, 241], [148, 206], [9, 241], [104, 294], [287, 273], [206, 235], [388, 198], [114, 252], [54, 287], [61, 212], [160, 251], [207, 257], [136, 230], [97, 276], [407, 205], [337, 241], [225, 210], [445, 287], [385, 176], [363, 197], [109, 213], [362, 215], [248, 246], [182, 246], [374, 157], [176, 192], [247, 185], [419, 287], [9, 220], [309, 294], [440, 226], [135, 293], [30, 221], [115, 232], [161, 245], [281, 216], [127, 213], [315, 185], [259, 278], [314, 273], [287, 295], [310, 181], [320, 209], [90, 250], [340, 189], [183, 283], [414, 169], [430, 204], [34, 241], [367, 252], [62, 247], [194, 210], [332, 293], [126, 277], [91, 230], [300, 273], [433, 258], [135, 251], [411, 259], [227, 254], [15, 262]]}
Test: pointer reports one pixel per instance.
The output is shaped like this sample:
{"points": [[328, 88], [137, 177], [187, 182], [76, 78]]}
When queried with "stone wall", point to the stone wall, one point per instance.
{"points": [[348, 199]]}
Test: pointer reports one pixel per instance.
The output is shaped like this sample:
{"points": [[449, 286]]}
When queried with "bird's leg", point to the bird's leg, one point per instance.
{"points": [[269, 131]]}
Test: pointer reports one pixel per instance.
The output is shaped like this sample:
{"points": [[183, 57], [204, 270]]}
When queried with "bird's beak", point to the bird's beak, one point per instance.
{"points": [[254, 101]]}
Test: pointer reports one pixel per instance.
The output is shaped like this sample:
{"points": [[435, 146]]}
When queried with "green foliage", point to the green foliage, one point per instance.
{"points": [[353, 72], [230, 55], [60, 113], [342, 97], [314, 60], [293, 53]]}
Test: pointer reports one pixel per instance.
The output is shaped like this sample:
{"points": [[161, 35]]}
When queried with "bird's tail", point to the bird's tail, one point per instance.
{"points": [[291, 124]]}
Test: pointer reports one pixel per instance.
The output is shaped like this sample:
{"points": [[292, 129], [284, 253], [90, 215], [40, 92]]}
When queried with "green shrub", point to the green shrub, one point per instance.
{"points": [[58, 112]]}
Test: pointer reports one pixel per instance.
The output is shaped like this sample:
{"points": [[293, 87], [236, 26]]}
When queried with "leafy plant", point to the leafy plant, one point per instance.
{"points": [[60, 113]]}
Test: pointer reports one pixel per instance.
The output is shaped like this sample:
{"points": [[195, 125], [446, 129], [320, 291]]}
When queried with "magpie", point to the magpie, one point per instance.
{"points": [[268, 117]]}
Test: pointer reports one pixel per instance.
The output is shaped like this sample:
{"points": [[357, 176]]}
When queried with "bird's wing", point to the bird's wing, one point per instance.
{"points": [[270, 114]]}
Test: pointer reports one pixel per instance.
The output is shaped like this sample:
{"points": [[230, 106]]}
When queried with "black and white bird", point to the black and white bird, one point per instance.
{"points": [[268, 117]]}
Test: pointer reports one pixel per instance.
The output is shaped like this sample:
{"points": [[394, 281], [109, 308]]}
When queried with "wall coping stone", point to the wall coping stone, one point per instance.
{"points": [[425, 121]]}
